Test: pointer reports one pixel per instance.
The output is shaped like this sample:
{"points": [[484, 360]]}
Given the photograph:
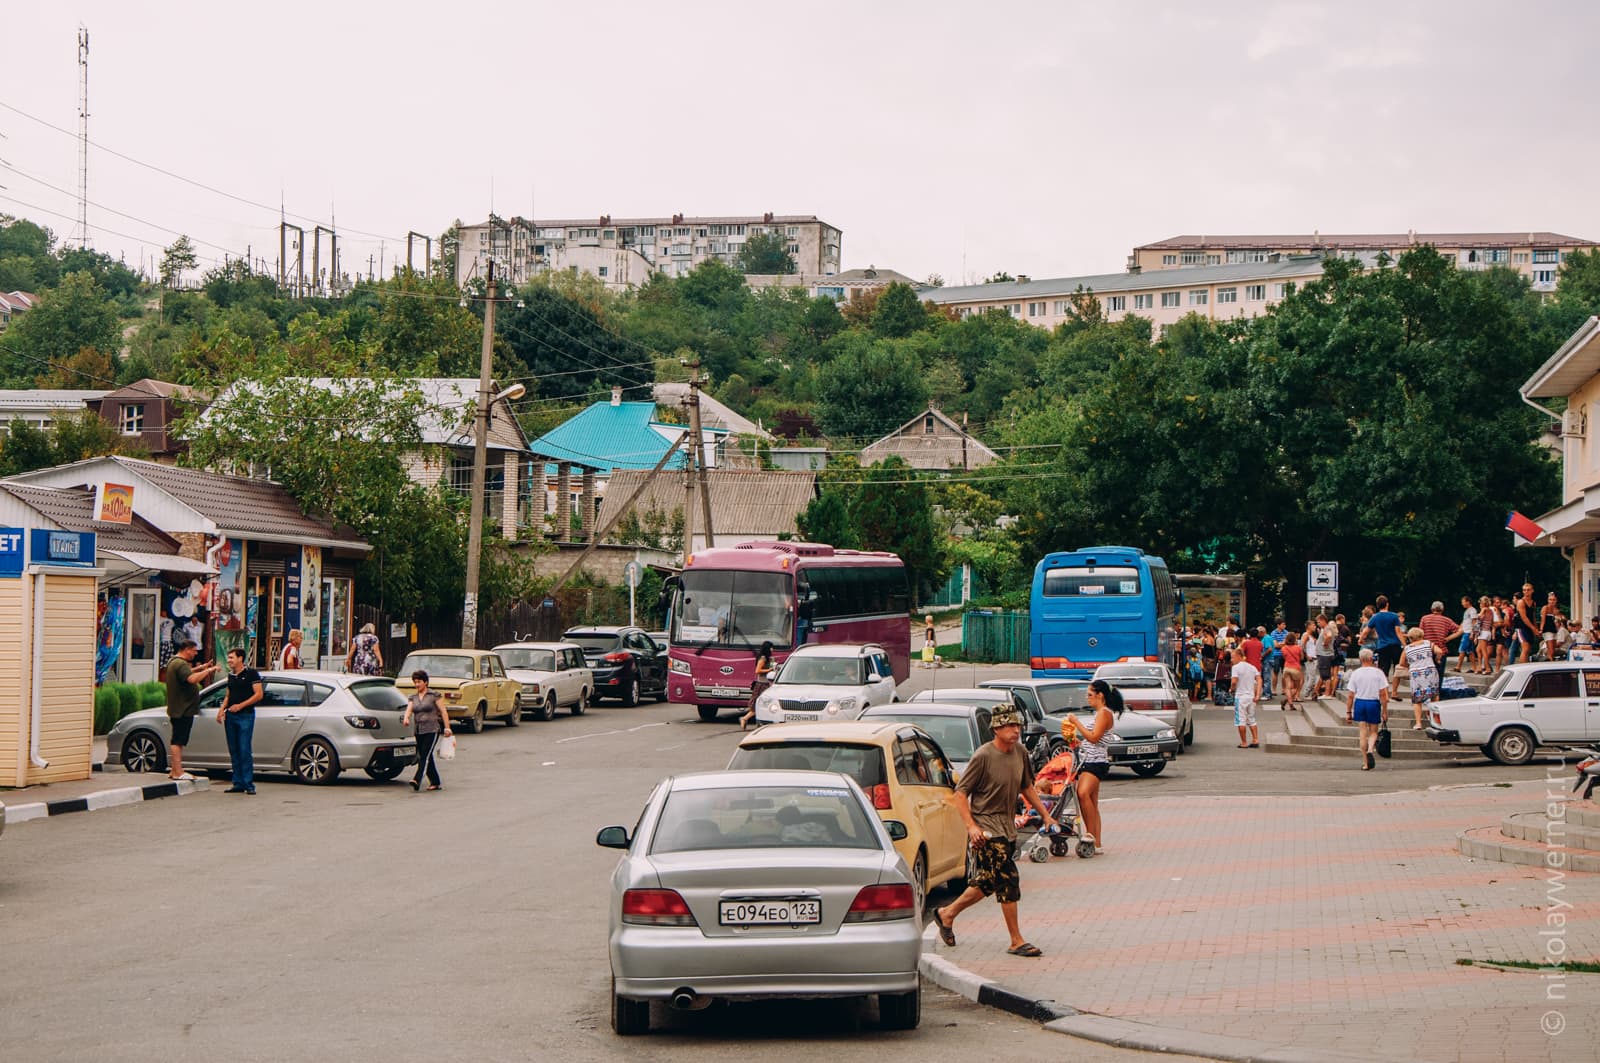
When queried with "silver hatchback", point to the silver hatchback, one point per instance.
{"points": [[742, 885], [311, 724]]}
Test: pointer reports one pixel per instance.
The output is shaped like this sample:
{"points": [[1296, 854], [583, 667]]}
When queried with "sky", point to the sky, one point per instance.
{"points": [[951, 138]]}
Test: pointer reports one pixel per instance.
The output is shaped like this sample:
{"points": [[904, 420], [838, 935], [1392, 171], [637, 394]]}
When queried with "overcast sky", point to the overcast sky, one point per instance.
{"points": [[957, 138]]}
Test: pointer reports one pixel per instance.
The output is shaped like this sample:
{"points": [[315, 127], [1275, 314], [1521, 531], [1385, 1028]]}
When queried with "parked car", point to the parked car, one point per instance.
{"points": [[1041, 738], [899, 767], [959, 729], [1049, 696], [1137, 741], [472, 685], [311, 724], [759, 884], [627, 663], [1527, 706], [1152, 689], [552, 675], [828, 682]]}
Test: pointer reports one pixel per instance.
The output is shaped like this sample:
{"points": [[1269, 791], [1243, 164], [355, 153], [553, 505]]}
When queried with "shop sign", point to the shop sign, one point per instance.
{"points": [[115, 504], [61, 548], [11, 552]]}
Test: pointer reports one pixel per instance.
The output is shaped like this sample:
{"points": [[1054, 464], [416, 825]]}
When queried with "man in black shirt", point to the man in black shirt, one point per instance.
{"points": [[238, 718]]}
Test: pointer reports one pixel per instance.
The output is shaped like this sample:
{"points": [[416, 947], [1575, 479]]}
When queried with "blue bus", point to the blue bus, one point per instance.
{"points": [[1099, 605]]}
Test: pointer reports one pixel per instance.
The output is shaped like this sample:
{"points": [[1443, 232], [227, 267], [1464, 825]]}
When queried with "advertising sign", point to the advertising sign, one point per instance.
{"points": [[228, 609], [61, 548], [11, 553], [310, 603], [114, 504], [291, 593]]}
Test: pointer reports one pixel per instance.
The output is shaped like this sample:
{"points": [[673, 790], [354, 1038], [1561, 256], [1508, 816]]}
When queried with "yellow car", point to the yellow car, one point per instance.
{"points": [[472, 685], [903, 771]]}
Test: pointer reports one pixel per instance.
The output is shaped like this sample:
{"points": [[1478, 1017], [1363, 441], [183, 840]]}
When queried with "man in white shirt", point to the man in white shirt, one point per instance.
{"points": [[1367, 704], [1246, 682]]}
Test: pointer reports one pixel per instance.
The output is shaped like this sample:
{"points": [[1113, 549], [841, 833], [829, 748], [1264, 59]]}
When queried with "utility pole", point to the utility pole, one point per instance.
{"points": [[480, 447], [699, 452], [427, 250]]}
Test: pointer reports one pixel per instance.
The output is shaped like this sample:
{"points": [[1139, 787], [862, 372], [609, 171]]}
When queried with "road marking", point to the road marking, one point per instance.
{"points": [[602, 734], [548, 764]]}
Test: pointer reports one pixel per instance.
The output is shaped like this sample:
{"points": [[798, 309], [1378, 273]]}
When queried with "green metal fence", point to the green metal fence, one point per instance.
{"points": [[993, 636]]}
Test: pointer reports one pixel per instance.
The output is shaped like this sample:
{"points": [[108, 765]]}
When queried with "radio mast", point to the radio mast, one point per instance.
{"points": [[83, 136]]}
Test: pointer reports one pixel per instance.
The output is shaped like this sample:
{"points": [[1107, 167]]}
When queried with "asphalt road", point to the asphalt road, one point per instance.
{"points": [[365, 919]]}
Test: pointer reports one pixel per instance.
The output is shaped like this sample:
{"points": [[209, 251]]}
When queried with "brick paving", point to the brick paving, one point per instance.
{"points": [[1323, 924]]}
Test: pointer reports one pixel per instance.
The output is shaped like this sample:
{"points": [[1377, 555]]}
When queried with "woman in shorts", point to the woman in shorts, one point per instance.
{"points": [[1106, 701], [1483, 637], [1422, 672], [1292, 676]]}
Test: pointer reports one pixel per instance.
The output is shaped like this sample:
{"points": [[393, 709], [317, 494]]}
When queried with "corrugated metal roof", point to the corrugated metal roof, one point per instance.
{"points": [[743, 501], [713, 414], [1192, 276], [1363, 241], [47, 399], [606, 437], [73, 509]]}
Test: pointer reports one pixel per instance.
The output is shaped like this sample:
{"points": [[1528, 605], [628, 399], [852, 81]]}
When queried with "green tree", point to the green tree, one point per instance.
{"points": [[1579, 281], [178, 258], [765, 253], [899, 312], [826, 519], [27, 256], [883, 507], [869, 389], [68, 319]]}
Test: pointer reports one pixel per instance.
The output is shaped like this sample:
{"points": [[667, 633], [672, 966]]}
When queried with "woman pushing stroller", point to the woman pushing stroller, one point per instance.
{"points": [[1095, 762]]}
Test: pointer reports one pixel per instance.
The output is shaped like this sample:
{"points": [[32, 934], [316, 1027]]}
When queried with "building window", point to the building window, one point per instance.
{"points": [[602, 272], [1115, 303], [1255, 292], [1144, 302], [794, 249], [1498, 254], [1280, 289], [1227, 295], [1037, 309], [1547, 255], [1061, 306], [132, 420], [1171, 299], [1520, 258], [1246, 256], [1169, 260], [1198, 258], [927, 425], [1197, 297], [1544, 276]]}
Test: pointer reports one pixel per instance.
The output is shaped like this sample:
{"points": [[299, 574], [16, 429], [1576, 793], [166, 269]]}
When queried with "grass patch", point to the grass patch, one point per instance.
{"points": [[1573, 967]]}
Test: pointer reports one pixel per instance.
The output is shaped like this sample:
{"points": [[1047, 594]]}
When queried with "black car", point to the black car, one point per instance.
{"points": [[627, 663]]}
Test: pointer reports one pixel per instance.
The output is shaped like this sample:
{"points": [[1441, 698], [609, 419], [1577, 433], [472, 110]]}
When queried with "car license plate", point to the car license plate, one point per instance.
{"points": [[725, 692], [798, 717], [769, 913], [1135, 750]]}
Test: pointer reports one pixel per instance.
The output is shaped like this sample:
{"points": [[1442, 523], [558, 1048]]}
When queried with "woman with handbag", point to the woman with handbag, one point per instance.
{"points": [[762, 682], [432, 724]]}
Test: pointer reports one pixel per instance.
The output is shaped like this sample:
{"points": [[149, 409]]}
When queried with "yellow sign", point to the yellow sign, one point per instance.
{"points": [[116, 503]]}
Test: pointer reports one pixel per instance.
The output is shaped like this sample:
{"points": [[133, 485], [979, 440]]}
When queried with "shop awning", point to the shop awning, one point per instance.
{"points": [[162, 562]]}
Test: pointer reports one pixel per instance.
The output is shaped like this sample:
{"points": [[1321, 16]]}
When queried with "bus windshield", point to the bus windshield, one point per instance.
{"points": [[730, 608]]}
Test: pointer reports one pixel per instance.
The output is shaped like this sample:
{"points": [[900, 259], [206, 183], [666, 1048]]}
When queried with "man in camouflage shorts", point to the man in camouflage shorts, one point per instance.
{"points": [[986, 797]]}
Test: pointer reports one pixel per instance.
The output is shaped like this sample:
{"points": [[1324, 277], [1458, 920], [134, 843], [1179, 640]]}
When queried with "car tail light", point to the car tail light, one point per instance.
{"points": [[875, 903], [615, 658], [362, 723], [656, 908], [452, 695], [880, 796], [1164, 705], [1438, 721]]}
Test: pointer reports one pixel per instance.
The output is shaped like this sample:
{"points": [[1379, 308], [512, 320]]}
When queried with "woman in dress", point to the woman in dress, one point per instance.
{"points": [[1292, 676], [432, 721], [763, 681], [365, 657], [1483, 636], [1421, 671], [1549, 614]]}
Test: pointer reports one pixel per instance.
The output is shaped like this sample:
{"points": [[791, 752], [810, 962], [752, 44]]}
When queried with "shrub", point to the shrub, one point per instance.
{"points": [[127, 697], [107, 709], [152, 695]]}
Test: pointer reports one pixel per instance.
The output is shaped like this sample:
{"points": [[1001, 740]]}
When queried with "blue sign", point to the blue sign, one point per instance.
{"points": [[61, 548], [11, 553]]}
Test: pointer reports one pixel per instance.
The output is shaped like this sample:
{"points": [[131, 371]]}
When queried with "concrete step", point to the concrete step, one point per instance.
{"points": [[1582, 813], [1487, 843], [1540, 827], [1333, 747]]}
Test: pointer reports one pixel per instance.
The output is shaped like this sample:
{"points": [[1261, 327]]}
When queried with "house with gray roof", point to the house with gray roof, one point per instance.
{"points": [[745, 503]]}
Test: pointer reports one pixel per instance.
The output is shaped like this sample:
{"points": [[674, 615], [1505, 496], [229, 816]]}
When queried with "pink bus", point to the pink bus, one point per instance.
{"points": [[729, 600]]}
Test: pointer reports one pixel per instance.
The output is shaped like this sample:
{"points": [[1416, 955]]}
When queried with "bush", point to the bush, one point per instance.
{"points": [[127, 698], [152, 695], [107, 709]]}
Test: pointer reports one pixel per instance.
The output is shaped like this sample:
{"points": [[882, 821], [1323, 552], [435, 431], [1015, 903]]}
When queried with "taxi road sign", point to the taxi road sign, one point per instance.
{"points": [[1322, 575]]}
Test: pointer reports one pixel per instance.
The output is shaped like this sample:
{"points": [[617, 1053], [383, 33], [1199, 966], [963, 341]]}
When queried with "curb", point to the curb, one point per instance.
{"points": [[1103, 1029], [122, 795]]}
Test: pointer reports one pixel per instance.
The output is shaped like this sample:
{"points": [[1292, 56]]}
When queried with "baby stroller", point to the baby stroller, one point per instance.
{"points": [[1220, 694], [1058, 840]]}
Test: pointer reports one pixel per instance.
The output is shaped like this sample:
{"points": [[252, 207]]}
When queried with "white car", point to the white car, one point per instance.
{"points": [[821, 683], [1527, 706], [1150, 688], [552, 675]]}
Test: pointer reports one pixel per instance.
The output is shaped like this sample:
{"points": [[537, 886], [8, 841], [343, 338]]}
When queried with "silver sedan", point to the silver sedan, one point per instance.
{"points": [[741, 885], [311, 724]]}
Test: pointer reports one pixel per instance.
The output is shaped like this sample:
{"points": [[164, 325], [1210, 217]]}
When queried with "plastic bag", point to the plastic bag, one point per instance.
{"points": [[446, 749]]}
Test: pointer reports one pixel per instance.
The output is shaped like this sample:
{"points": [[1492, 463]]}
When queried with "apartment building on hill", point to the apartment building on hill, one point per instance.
{"points": [[1535, 255], [624, 252]]}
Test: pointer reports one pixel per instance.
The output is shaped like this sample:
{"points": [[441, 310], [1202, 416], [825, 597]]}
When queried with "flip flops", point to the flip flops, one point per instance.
{"points": [[1025, 949], [947, 933]]}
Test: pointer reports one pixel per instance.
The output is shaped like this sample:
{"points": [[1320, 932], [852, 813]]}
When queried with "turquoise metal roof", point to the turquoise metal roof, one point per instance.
{"points": [[606, 437]]}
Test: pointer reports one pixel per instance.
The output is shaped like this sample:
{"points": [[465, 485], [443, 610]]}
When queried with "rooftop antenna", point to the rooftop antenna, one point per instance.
{"points": [[83, 136]]}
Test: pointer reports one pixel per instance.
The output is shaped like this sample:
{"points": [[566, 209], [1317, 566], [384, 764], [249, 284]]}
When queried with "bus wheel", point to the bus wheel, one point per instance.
{"points": [[708, 713]]}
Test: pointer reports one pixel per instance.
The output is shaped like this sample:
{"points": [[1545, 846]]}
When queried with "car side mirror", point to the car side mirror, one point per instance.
{"points": [[616, 838], [896, 829]]}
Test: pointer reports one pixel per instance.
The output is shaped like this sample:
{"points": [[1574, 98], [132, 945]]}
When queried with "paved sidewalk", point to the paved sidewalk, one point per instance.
{"points": [[1323, 925]]}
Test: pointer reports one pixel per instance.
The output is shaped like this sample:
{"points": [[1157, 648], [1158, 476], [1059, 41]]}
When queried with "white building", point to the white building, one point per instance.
{"points": [[42, 407]]}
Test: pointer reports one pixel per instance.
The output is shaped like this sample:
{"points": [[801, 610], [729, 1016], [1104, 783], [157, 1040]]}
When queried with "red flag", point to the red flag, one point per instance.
{"points": [[1523, 526]]}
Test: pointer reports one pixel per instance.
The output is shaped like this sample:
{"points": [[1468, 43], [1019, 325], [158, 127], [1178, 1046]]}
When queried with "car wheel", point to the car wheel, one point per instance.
{"points": [[1485, 749], [547, 710], [388, 773], [900, 1011], [1149, 771], [142, 751], [919, 881], [628, 1017], [514, 719], [709, 713], [581, 706], [631, 698], [1188, 736], [315, 762], [478, 719], [1512, 746]]}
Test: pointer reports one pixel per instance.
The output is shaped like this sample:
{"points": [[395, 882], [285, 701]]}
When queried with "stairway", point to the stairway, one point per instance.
{"points": [[1319, 729], [1534, 838]]}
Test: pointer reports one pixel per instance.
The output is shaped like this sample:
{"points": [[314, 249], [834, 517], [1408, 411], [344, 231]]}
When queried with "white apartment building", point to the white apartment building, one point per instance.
{"points": [[623, 252], [1162, 296], [1536, 255]]}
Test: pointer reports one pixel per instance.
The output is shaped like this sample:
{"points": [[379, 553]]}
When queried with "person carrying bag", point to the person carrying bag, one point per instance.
{"points": [[432, 728]]}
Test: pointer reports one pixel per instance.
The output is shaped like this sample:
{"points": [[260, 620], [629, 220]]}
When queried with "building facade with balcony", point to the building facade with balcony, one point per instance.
{"points": [[1535, 255], [624, 252]]}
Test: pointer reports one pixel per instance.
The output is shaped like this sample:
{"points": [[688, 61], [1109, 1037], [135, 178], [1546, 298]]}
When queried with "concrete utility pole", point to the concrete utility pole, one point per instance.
{"points": [[699, 454], [480, 447], [427, 250]]}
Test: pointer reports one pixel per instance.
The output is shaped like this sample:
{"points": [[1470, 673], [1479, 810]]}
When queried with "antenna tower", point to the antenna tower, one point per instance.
{"points": [[83, 136]]}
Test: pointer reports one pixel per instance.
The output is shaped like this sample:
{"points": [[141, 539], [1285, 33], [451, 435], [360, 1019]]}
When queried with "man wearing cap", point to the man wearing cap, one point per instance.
{"points": [[1439, 630], [986, 797]]}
